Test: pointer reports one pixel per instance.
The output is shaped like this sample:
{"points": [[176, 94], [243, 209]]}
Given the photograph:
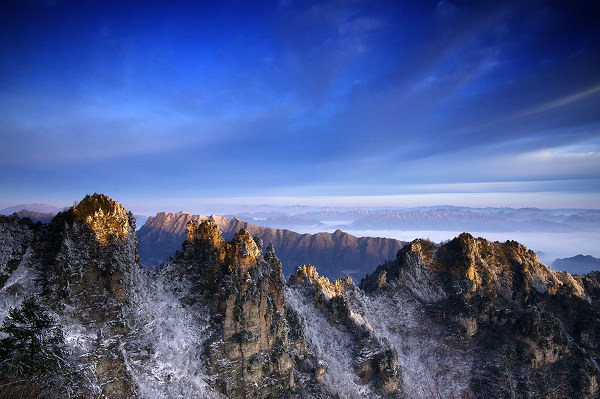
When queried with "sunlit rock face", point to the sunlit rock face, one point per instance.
{"points": [[510, 319], [94, 247], [88, 254], [249, 353], [107, 218]]}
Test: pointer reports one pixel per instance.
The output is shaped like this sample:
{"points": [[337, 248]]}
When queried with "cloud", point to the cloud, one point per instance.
{"points": [[266, 99], [551, 105]]}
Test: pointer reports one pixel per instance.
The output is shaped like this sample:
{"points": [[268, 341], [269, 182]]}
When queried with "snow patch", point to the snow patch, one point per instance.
{"points": [[19, 284], [427, 363], [163, 352], [331, 344]]}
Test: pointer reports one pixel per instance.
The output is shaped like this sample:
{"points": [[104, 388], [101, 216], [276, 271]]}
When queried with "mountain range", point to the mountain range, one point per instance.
{"points": [[338, 253], [437, 218], [35, 207], [341, 253], [466, 318]]}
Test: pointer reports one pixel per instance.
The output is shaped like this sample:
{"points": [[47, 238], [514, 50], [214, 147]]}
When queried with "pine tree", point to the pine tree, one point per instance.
{"points": [[34, 344]]}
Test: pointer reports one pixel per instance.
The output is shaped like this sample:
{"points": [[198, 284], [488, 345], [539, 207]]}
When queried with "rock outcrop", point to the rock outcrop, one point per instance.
{"points": [[375, 363], [87, 255], [16, 237], [467, 318], [498, 301], [248, 353]]}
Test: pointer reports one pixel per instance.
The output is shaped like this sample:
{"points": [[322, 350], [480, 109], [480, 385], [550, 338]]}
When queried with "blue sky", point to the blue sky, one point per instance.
{"points": [[356, 103]]}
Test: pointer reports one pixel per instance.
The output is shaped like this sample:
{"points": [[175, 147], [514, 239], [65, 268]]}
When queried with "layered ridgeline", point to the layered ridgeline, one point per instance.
{"points": [[337, 254], [465, 319]]}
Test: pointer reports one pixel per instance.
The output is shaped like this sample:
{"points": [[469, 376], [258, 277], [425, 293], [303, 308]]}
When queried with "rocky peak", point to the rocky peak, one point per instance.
{"points": [[204, 241], [249, 351], [374, 362], [474, 266], [419, 249], [308, 275], [206, 231], [244, 250], [88, 256], [106, 218]]}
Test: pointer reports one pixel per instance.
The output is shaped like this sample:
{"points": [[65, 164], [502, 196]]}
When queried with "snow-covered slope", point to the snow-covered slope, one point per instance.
{"points": [[164, 350]]}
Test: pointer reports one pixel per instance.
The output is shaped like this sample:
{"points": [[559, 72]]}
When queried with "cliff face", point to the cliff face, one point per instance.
{"points": [[78, 266], [88, 255], [248, 352], [374, 362], [92, 242], [496, 301], [16, 237], [337, 254]]}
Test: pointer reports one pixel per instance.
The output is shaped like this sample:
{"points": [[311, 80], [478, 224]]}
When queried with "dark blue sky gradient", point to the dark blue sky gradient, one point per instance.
{"points": [[408, 103]]}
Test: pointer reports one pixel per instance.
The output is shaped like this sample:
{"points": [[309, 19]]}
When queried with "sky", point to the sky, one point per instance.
{"points": [[167, 105]]}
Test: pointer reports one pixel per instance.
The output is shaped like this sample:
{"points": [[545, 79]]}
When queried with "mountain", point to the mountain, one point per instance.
{"points": [[80, 264], [42, 208], [579, 264], [36, 216], [467, 318], [337, 253], [278, 220], [498, 323]]}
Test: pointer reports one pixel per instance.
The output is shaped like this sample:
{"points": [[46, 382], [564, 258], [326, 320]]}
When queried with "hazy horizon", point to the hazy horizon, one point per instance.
{"points": [[287, 205], [552, 245]]}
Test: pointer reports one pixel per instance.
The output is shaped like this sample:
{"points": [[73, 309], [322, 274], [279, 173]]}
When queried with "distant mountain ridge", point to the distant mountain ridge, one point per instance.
{"points": [[445, 218], [578, 264], [337, 253], [36, 216], [35, 207]]}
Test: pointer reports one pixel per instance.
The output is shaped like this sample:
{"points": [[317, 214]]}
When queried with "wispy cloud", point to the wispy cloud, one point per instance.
{"points": [[300, 97], [551, 105]]}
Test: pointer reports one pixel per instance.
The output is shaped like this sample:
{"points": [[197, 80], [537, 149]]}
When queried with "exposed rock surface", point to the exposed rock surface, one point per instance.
{"points": [[375, 363], [337, 254], [248, 353], [79, 266], [514, 315], [88, 254], [16, 236]]}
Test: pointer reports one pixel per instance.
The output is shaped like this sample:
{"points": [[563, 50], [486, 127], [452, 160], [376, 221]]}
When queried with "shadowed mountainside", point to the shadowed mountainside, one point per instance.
{"points": [[578, 264], [337, 254], [36, 216]]}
